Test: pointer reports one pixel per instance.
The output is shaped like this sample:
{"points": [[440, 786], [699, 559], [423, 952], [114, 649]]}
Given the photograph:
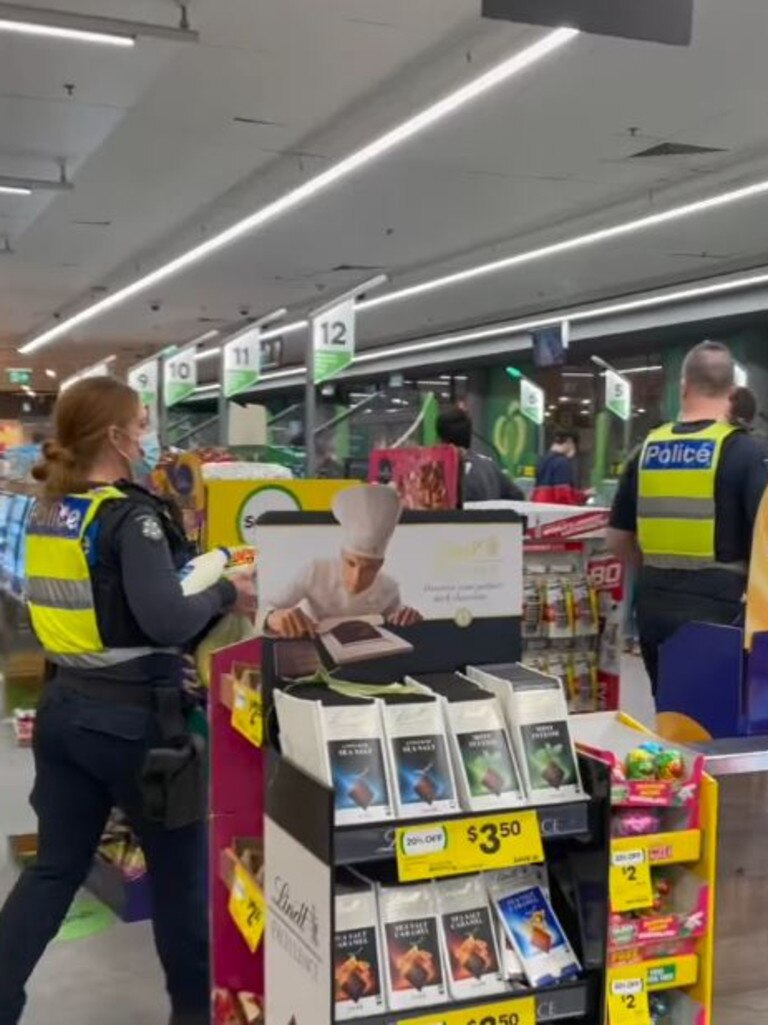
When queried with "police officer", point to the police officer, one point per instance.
{"points": [[106, 604], [686, 506]]}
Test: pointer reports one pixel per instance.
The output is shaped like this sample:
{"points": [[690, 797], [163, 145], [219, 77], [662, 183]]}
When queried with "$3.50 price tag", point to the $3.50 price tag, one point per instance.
{"points": [[630, 880], [247, 908], [247, 716], [511, 1012], [628, 1003], [468, 845]]}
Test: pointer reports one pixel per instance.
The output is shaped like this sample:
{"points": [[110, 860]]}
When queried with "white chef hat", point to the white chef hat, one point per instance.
{"points": [[368, 515]]}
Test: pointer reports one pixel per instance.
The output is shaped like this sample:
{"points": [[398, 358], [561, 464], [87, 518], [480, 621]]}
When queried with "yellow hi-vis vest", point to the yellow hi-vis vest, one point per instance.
{"points": [[676, 497], [58, 581]]}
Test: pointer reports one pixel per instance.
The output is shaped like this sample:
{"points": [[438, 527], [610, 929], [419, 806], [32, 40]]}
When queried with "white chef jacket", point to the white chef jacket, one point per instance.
{"points": [[319, 591]]}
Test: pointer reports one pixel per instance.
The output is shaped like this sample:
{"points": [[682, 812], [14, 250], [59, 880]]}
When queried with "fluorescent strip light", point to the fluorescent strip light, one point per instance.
{"points": [[642, 370], [13, 190], [288, 329], [207, 354], [75, 35], [567, 245], [360, 158]]}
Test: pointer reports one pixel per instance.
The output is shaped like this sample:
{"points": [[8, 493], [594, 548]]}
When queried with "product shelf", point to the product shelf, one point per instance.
{"points": [[376, 842], [673, 848], [555, 1003], [658, 974]]}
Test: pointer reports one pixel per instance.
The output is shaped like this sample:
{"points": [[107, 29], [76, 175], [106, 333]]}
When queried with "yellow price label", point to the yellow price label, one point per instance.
{"points": [[247, 908], [468, 845], [507, 1012], [628, 1003], [247, 714], [630, 881]]}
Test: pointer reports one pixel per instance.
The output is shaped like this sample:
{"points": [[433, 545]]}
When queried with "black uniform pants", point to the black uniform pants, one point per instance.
{"points": [[668, 599], [88, 755]]}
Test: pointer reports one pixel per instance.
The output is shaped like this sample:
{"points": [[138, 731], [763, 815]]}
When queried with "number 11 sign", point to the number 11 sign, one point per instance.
{"points": [[333, 340], [242, 362]]}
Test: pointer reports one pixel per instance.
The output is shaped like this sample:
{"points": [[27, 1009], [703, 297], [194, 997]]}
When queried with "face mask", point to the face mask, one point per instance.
{"points": [[149, 458]]}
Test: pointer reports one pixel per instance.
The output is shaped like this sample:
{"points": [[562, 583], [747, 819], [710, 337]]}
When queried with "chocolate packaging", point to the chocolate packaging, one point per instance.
{"points": [[415, 976], [468, 936], [357, 968]]}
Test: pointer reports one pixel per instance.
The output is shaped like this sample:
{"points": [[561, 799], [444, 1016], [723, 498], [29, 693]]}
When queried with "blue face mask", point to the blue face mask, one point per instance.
{"points": [[149, 458]]}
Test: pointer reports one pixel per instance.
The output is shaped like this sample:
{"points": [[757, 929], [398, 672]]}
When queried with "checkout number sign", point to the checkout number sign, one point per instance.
{"points": [[144, 379], [333, 340], [179, 377], [242, 363]]}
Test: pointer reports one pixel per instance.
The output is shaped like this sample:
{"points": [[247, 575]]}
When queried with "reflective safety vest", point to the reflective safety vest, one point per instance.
{"points": [[676, 497], [59, 590]]}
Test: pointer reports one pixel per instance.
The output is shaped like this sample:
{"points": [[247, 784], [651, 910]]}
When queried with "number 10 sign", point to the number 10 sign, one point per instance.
{"points": [[333, 340]]}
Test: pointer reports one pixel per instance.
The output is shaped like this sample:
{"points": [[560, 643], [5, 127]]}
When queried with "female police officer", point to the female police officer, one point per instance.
{"points": [[106, 604]]}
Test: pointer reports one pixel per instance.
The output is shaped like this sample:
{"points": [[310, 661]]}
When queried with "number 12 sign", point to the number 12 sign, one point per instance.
{"points": [[333, 340]]}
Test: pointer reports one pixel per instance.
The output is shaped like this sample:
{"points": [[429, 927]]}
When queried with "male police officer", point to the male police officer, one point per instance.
{"points": [[686, 506]]}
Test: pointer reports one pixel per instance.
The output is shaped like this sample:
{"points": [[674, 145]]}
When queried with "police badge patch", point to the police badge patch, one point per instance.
{"points": [[151, 529]]}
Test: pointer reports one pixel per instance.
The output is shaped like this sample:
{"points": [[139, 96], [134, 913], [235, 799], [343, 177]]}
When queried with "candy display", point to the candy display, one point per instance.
{"points": [[636, 821], [640, 764], [652, 760], [661, 1009]]}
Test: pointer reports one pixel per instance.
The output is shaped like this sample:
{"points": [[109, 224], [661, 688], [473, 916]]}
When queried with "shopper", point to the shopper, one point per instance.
{"points": [[483, 480], [556, 472], [106, 604], [686, 506], [743, 408]]}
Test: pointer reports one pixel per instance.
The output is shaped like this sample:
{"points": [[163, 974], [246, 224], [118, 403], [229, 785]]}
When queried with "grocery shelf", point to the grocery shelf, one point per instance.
{"points": [[376, 842], [555, 1003]]}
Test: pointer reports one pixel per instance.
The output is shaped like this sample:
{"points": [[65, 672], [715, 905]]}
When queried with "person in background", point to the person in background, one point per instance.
{"points": [[483, 480], [743, 408], [106, 604], [556, 472], [685, 508]]}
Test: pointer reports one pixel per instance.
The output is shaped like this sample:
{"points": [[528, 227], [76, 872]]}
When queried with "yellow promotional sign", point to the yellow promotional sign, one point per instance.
{"points": [[630, 880], [520, 1011], [247, 714], [247, 908], [628, 1003], [468, 845], [233, 507]]}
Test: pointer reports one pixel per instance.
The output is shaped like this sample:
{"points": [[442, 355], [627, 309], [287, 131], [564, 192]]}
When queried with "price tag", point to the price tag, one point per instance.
{"points": [[521, 1011], [628, 1003], [468, 845], [630, 881], [247, 717], [247, 908]]}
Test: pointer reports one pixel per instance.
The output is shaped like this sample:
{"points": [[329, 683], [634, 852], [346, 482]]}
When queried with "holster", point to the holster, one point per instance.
{"points": [[173, 779]]}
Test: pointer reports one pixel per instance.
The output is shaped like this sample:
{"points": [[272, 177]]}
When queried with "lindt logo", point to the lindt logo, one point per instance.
{"points": [[302, 913]]}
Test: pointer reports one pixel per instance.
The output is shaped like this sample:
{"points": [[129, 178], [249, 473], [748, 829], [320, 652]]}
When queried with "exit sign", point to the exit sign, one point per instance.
{"points": [[19, 376]]}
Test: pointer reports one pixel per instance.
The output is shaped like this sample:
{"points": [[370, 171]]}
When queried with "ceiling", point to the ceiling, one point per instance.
{"points": [[168, 143]]}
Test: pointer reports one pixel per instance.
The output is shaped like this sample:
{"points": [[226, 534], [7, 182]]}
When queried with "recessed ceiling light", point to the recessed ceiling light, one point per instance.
{"points": [[379, 147], [50, 373]]}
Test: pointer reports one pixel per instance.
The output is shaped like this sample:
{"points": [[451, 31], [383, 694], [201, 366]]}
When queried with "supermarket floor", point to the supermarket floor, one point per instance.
{"points": [[114, 976]]}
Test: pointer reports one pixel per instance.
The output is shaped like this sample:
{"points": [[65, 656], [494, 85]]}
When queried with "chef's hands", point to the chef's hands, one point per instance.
{"points": [[245, 603], [405, 616], [291, 623]]}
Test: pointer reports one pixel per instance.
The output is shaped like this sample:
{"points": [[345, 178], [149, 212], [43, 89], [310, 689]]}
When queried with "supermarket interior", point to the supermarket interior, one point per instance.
{"points": [[383, 443]]}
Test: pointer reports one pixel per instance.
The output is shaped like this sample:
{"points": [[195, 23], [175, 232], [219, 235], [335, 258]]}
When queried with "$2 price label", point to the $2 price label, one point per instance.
{"points": [[247, 908], [628, 1003], [630, 880], [247, 716], [468, 845]]}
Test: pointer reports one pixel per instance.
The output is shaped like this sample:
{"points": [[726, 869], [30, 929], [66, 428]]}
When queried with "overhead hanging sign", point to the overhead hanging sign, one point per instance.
{"points": [[660, 21], [531, 401], [242, 362], [179, 377], [333, 340], [145, 379], [618, 395]]}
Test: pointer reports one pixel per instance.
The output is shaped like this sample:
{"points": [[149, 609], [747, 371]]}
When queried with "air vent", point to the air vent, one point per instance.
{"points": [[93, 224], [677, 149], [363, 268], [257, 121]]}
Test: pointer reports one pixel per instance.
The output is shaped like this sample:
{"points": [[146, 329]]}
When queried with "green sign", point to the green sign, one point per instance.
{"points": [[242, 363], [17, 376], [333, 340], [179, 377], [618, 395]]}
